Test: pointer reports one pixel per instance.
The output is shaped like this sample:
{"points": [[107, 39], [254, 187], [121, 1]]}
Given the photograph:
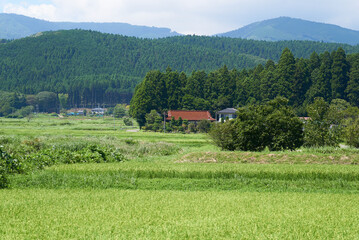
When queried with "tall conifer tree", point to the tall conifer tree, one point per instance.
{"points": [[340, 68]]}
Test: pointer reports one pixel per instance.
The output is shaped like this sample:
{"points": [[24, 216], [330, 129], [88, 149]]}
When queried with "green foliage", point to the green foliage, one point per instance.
{"points": [[192, 127], [299, 80], [104, 68], [154, 121], [47, 101], [32, 154], [23, 112], [352, 89], [352, 134], [127, 121], [273, 125], [63, 99], [204, 126], [4, 169], [339, 70], [285, 129], [224, 135], [323, 128], [119, 111], [150, 95], [10, 102]]}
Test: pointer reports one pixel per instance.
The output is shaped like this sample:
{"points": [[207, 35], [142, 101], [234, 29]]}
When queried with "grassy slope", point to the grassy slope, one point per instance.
{"points": [[179, 196]]}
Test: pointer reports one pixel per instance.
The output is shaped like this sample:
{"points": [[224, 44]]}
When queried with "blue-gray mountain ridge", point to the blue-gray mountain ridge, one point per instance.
{"points": [[286, 28], [13, 26]]}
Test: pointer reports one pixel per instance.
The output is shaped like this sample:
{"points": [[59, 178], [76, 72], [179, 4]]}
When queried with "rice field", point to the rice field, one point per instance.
{"points": [[142, 214], [176, 186]]}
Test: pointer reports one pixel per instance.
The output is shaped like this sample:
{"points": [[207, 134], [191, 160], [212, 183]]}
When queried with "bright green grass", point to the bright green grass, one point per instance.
{"points": [[92, 127], [127, 214], [178, 196], [196, 177]]}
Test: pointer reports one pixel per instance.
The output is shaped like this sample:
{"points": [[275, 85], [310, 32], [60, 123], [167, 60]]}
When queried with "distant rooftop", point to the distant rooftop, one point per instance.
{"points": [[189, 115], [228, 111]]}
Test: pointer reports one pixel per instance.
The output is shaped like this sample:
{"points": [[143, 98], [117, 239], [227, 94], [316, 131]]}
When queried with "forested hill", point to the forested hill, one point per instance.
{"points": [[285, 28], [15, 26], [331, 76], [102, 68]]}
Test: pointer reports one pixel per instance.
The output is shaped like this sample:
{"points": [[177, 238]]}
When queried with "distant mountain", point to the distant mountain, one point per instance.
{"points": [[94, 67], [285, 28], [13, 26]]}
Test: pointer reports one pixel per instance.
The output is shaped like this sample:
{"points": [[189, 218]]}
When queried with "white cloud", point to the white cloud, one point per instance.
{"points": [[41, 11], [191, 16]]}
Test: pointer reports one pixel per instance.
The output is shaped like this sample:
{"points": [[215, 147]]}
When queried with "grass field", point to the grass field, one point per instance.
{"points": [[176, 186]]}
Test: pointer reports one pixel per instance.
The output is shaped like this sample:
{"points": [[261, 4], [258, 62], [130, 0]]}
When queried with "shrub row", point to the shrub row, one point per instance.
{"points": [[32, 155]]}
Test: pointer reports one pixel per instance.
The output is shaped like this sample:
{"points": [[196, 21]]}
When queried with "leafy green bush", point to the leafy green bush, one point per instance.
{"points": [[3, 177], [23, 156], [3, 169], [224, 135], [8, 165], [204, 126], [119, 111], [352, 134], [127, 121], [273, 125], [323, 128], [192, 127], [153, 121]]}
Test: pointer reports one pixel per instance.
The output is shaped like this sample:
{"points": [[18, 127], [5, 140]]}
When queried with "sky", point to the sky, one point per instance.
{"points": [[200, 17]]}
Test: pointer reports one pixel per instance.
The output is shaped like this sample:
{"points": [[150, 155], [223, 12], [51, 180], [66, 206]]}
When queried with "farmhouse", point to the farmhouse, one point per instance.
{"points": [[98, 110], [230, 113], [191, 116]]}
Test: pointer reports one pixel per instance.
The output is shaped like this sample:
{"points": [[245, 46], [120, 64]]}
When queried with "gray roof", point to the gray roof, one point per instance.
{"points": [[228, 111]]}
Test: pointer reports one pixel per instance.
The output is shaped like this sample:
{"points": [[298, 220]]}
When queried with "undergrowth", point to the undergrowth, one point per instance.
{"points": [[23, 155]]}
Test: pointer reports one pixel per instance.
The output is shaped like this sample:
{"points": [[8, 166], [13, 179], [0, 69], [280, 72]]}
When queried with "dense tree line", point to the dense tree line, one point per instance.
{"points": [[10, 102], [272, 125], [275, 126], [329, 75], [95, 68]]}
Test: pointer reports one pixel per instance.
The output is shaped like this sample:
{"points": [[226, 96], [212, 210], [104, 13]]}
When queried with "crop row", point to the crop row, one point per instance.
{"points": [[194, 177]]}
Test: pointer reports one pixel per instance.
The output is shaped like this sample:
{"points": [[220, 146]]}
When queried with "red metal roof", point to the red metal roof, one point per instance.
{"points": [[189, 115]]}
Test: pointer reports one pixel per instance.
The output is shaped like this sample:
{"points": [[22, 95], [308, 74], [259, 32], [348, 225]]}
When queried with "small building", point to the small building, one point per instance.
{"points": [[191, 116], [230, 113], [100, 111]]}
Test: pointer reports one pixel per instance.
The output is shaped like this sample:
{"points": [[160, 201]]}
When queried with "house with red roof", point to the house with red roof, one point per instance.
{"points": [[191, 116]]}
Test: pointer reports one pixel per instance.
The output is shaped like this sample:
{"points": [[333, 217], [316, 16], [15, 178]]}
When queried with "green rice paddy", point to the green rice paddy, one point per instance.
{"points": [[177, 186]]}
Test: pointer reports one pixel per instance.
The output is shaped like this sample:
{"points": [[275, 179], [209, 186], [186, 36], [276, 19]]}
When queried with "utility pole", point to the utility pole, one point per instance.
{"points": [[164, 121], [114, 122], [103, 114]]}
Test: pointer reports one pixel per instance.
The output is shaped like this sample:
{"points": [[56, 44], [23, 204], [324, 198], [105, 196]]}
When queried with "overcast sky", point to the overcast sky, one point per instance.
{"points": [[201, 17]]}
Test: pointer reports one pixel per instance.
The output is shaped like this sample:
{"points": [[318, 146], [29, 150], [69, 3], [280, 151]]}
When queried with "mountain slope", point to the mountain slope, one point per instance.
{"points": [[92, 66], [285, 28], [14, 26]]}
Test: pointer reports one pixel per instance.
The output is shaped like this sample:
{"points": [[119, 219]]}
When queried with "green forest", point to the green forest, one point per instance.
{"points": [[95, 68], [331, 76]]}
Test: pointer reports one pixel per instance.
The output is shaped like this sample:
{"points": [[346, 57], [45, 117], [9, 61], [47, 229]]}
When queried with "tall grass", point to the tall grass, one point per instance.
{"points": [[196, 177], [128, 214]]}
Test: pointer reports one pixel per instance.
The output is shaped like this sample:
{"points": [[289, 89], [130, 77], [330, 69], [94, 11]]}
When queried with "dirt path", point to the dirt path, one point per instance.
{"points": [[133, 130]]}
